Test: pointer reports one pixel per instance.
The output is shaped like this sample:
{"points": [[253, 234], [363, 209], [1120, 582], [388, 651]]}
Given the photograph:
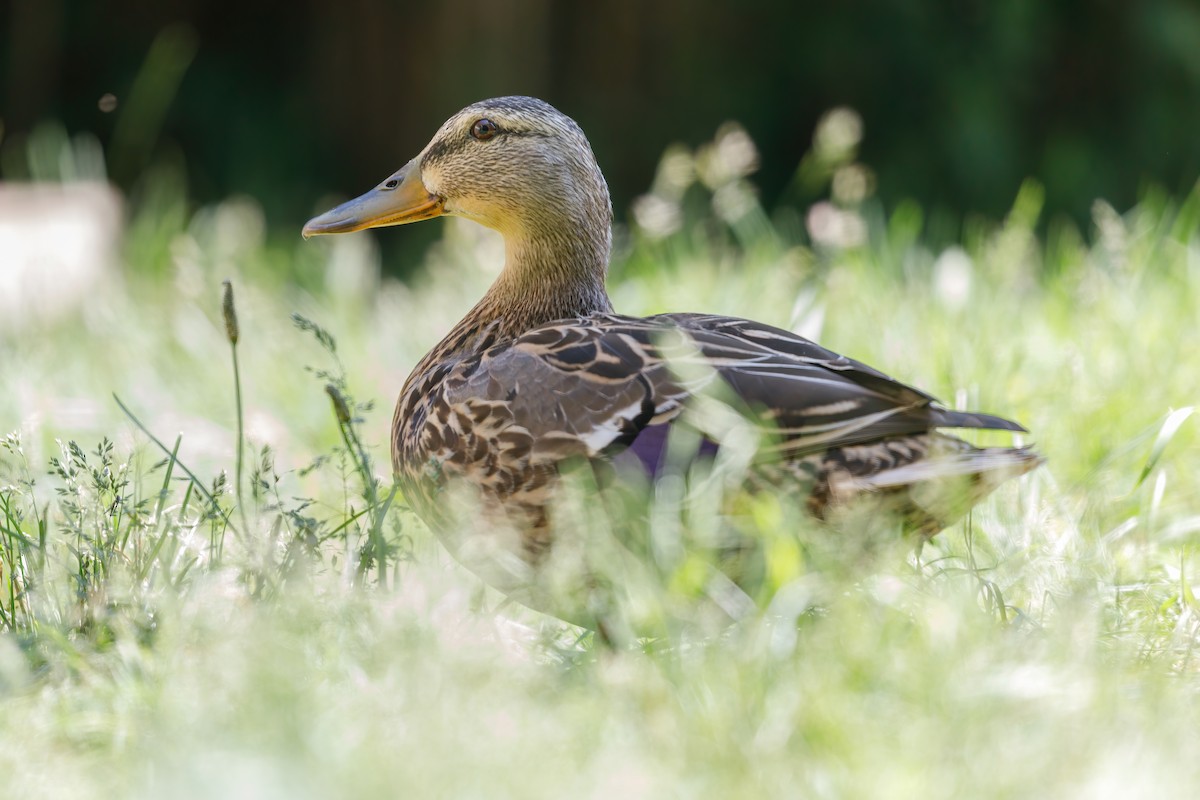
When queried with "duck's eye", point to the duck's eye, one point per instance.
{"points": [[484, 129]]}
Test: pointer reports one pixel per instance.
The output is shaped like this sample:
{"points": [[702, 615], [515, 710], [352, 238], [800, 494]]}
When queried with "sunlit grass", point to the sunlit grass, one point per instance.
{"points": [[163, 640]]}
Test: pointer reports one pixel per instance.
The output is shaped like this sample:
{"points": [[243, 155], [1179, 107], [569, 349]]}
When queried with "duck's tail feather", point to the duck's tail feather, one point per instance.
{"points": [[945, 418], [929, 481], [989, 466]]}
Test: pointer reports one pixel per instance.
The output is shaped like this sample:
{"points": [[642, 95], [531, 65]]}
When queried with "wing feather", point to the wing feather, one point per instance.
{"points": [[583, 386]]}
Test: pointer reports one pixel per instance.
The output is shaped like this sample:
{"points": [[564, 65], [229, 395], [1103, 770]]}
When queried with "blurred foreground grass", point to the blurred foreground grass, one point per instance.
{"points": [[159, 643]]}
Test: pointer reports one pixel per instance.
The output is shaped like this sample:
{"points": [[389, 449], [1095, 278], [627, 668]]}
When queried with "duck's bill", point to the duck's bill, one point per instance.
{"points": [[402, 198]]}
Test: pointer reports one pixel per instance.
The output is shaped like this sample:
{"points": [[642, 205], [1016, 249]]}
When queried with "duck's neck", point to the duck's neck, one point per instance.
{"points": [[551, 277], [545, 278]]}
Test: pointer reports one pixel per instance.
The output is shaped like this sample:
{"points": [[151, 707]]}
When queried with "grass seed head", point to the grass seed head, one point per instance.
{"points": [[231, 323], [339, 404]]}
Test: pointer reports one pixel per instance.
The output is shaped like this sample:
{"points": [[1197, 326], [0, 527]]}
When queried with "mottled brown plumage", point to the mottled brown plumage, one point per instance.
{"points": [[541, 371]]}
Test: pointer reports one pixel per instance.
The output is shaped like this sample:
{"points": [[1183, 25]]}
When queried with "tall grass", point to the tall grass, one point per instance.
{"points": [[175, 625]]}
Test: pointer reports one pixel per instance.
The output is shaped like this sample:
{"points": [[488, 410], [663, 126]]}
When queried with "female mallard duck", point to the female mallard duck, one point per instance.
{"points": [[541, 371]]}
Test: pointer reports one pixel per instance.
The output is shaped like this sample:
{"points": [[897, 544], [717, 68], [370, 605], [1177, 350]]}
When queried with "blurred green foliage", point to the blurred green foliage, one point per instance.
{"points": [[961, 101], [150, 648]]}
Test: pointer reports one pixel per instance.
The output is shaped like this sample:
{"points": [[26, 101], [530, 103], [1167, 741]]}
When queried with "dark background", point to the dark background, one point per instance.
{"points": [[290, 102]]}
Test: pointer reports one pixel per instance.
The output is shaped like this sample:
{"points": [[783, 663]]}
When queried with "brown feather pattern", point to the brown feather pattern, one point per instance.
{"points": [[541, 372], [502, 418]]}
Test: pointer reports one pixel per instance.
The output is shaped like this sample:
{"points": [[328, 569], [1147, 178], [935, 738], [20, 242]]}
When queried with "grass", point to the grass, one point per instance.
{"points": [[235, 607]]}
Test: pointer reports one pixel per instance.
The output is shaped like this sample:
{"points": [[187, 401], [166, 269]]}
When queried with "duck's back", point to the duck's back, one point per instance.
{"points": [[608, 388]]}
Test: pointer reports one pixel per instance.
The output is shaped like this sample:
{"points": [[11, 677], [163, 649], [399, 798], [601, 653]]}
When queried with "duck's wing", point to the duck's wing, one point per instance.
{"points": [[815, 397], [589, 385]]}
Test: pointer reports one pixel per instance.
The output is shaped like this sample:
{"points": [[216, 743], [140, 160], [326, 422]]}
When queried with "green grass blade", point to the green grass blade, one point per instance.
{"points": [[195, 481], [1165, 434]]}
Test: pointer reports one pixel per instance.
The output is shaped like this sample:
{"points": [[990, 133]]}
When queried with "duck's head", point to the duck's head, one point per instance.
{"points": [[515, 164]]}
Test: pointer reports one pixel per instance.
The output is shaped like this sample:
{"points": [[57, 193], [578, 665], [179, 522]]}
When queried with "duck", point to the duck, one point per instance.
{"points": [[542, 374]]}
